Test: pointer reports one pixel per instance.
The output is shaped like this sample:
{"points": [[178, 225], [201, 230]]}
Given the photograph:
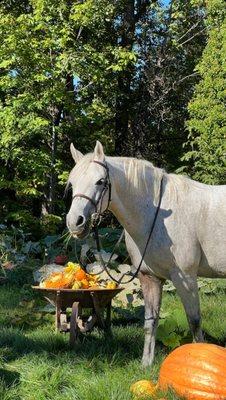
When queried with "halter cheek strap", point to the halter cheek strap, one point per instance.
{"points": [[107, 186]]}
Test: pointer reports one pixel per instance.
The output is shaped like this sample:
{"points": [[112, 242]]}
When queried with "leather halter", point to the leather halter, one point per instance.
{"points": [[107, 186]]}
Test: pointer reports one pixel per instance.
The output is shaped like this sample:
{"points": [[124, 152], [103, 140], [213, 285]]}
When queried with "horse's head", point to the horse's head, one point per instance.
{"points": [[90, 189]]}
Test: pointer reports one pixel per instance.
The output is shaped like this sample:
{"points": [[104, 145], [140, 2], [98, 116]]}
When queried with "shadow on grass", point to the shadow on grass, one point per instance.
{"points": [[9, 378], [125, 345], [211, 339]]}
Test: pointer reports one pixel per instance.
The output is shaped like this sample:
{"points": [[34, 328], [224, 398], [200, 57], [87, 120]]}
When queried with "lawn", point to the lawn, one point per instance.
{"points": [[37, 364]]}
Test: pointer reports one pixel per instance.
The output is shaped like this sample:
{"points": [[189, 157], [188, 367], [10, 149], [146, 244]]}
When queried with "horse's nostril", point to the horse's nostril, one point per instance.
{"points": [[80, 220]]}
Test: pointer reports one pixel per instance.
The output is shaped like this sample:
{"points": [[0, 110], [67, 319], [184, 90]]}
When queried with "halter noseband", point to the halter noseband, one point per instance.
{"points": [[107, 186]]}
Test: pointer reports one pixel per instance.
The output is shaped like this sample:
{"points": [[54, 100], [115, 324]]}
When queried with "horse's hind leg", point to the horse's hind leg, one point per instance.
{"points": [[187, 289], [152, 292]]}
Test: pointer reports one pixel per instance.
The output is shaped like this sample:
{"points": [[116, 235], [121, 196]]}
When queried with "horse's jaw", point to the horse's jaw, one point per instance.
{"points": [[83, 233], [80, 235]]}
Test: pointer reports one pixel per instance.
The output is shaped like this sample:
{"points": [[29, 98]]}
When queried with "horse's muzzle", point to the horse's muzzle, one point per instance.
{"points": [[81, 233]]}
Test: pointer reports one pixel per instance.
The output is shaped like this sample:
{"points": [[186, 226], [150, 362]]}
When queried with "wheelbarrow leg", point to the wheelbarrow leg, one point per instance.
{"points": [[98, 311], [58, 311], [108, 330], [74, 328], [108, 316]]}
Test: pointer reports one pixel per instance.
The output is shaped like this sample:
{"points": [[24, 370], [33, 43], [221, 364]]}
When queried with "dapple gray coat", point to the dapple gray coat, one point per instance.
{"points": [[189, 238]]}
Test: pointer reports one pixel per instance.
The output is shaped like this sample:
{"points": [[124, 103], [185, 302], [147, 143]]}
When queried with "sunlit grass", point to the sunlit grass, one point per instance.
{"points": [[37, 364]]}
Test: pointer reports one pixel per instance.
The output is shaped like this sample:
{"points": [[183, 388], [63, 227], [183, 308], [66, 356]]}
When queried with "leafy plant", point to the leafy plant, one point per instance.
{"points": [[50, 223], [170, 333], [29, 315], [16, 247], [19, 255]]}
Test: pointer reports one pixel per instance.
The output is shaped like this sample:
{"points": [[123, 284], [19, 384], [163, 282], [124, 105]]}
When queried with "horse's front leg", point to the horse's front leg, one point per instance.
{"points": [[152, 292]]}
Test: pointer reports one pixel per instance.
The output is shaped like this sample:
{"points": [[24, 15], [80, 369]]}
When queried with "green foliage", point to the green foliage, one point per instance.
{"points": [[55, 57], [206, 146], [50, 223], [20, 255], [70, 70], [170, 333], [24, 221]]}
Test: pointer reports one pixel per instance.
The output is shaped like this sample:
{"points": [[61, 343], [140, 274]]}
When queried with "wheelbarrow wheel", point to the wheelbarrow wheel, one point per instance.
{"points": [[74, 328]]}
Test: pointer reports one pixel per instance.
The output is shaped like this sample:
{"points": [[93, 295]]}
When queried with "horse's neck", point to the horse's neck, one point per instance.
{"points": [[135, 192]]}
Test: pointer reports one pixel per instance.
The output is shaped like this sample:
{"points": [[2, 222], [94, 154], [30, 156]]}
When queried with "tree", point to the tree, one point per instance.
{"points": [[77, 71], [57, 76], [206, 145], [171, 41]]}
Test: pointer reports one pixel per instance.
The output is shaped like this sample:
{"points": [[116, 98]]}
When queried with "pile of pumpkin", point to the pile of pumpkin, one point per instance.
{"points": [[74, 277], [195, 371]]}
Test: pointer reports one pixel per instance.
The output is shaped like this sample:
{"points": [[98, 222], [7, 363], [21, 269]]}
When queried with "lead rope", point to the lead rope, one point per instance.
{"points": [[105, 266], [97, 239]]}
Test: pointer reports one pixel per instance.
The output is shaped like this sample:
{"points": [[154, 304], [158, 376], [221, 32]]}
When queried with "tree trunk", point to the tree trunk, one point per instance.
{"points": [[52, 186], [124, 83]]}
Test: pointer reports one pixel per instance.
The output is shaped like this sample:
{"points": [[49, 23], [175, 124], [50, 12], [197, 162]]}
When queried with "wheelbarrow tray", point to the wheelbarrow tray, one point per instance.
{"points": [[83, 296]]}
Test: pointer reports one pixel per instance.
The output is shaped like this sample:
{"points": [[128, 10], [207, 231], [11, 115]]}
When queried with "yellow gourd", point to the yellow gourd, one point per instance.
{"points": [[143, 389]]}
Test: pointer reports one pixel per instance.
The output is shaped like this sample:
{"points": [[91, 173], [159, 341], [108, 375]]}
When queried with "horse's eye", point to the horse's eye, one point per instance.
{"points": [[100, 182]]}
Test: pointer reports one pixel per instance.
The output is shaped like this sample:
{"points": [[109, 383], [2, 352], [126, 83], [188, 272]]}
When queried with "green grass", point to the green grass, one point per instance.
{"points": [[37, 364]]}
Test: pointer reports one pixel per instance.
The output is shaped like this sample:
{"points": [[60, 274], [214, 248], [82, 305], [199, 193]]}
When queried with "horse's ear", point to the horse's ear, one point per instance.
{"points": [[99, 152], [76, 154]]}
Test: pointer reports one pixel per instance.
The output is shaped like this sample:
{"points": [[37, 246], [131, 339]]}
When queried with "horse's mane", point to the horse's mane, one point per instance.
{"points": [[142, 176]]}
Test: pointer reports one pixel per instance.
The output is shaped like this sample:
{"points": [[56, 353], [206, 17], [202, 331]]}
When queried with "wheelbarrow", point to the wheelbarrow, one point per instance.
{"points": [[97, 300]]}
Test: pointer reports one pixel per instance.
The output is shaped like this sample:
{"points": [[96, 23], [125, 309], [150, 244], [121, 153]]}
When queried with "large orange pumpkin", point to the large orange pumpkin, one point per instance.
{"points": [[196, 371]]}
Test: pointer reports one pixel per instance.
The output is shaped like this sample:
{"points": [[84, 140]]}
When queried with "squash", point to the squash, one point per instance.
{"points": [[143, 389], [73, 276], [77, 285], [195, 371], [85, 284], [80, 275], [111, 285]]}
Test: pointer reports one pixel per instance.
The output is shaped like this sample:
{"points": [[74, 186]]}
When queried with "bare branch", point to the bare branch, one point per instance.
{"points": [[184, 78], [79, 33], [189, 30], [191, 38]]}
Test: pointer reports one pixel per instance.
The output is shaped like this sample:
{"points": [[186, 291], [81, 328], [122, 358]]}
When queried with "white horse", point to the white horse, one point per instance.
{"points": [[189, 237]]}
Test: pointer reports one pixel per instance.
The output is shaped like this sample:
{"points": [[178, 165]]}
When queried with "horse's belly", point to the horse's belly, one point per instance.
{"points": [[156, 270], [206, 271], [213, 262]]}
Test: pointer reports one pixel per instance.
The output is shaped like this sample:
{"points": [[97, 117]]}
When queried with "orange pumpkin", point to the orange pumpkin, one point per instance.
{"points": [[196, 371], [53, 280], [143, 389], [58, 280], [80, 275]]}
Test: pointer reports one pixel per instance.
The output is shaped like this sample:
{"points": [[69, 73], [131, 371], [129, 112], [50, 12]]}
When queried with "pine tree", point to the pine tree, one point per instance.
{"points": [[206, 146]]}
